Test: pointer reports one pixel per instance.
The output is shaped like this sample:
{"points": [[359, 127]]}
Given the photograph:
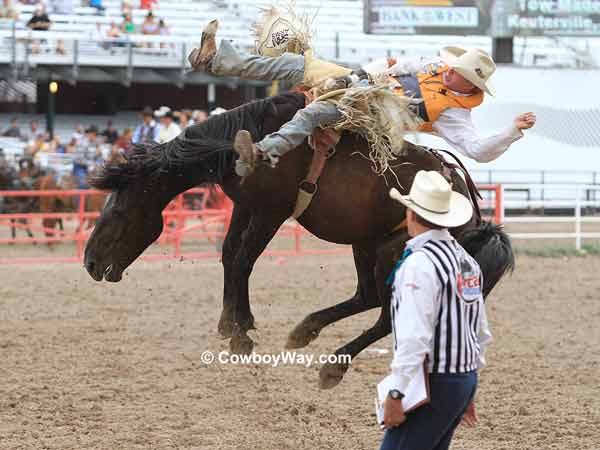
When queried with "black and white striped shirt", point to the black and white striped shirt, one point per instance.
{"points": [[437, 309]]}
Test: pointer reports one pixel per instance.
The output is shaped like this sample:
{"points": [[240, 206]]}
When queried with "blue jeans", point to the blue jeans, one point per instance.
{"points": [[80, 172], [290, 67], [432, 426]]}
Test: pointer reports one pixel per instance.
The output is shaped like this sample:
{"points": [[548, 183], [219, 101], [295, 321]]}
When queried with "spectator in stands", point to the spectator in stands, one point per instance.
{"points": [[28, 173], [10, 9], [163, 30], [110, 133], [148, 4], [116, 154], [33, 127], [126, 7], [39, 21], [127, 26], [199, 116], [114, 32], [183, 118], [150, 25], [169, 130], [71, 147], [88, 154], [148, 131], [30, 135], [78, 133], [124, 141], [97, 35], [98, 5], [13, 130], [55, 146], [39, 144]]}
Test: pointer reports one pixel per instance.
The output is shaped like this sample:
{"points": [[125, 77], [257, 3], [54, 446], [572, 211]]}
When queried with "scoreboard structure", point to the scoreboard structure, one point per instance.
{"points": [[496, 18], [462, 17]]}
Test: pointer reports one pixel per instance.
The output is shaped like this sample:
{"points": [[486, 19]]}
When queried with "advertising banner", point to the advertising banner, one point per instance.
{"points": [[462, 17]]}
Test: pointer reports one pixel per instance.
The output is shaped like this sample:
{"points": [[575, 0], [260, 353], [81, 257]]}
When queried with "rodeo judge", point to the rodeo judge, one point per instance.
{"points": [[447, 88], [437, 313]]}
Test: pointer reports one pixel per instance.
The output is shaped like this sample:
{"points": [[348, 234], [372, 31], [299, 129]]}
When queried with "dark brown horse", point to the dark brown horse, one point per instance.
{"points": [[352, 206]]}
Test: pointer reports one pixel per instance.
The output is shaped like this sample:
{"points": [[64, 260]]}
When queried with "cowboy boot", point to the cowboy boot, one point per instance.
{"points": [[201, 58], [244, 146], [250, 153]]}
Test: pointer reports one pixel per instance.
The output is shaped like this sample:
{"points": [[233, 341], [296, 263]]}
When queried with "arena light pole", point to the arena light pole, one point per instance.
{"points": [[211, 95], [50, 111]]}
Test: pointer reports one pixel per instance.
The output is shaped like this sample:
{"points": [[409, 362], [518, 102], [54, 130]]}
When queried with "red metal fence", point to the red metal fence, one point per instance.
{"points": [[197, 218]]}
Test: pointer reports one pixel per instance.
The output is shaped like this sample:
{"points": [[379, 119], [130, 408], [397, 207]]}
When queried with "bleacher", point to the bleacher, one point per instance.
{"points": [[338, 25], [12, 149], [65, 124]]}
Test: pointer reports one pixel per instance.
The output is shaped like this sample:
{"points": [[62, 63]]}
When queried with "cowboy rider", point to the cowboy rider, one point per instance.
{"points": [[449, 85]]}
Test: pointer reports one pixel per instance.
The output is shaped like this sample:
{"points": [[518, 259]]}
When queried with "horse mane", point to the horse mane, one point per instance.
{"points": [[206, 147]]}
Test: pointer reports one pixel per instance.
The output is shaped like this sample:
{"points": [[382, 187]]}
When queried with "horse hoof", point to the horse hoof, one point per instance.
{"points": [[226, 328], [241, 345], [301, 336], [330, 375]]}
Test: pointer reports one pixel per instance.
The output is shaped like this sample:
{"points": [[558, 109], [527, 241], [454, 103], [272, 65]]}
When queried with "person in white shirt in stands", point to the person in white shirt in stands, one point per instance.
{"points": [[438, 318], [450, 86], [169, 130]]}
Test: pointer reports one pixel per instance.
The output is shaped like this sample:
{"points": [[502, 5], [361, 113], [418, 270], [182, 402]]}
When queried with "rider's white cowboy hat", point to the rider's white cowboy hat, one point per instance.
{"points": [[474, 64], [432, 198]]}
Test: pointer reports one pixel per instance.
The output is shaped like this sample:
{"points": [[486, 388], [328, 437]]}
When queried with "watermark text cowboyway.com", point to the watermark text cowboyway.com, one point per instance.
{"points": [[286, 358]]}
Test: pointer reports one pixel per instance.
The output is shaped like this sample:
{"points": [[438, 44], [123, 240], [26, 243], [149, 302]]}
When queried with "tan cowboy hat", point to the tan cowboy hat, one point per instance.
{"points": [[475, 65], [432, 198]]}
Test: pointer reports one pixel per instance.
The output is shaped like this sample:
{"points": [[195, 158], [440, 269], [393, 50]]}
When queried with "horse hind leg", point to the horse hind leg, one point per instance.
{"points": [[364, 299], [331, 374]]}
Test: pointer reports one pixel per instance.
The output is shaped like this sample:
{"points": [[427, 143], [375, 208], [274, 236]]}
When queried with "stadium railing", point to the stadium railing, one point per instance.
{"points": [[185, 228]]}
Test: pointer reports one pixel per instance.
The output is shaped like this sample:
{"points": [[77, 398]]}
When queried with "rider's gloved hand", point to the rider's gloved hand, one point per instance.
{"points": [[333, 84]]}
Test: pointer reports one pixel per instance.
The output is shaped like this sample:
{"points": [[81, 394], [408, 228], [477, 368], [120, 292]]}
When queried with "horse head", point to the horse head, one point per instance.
{"points": [[141, 186], [152, 175], [132, 215]]}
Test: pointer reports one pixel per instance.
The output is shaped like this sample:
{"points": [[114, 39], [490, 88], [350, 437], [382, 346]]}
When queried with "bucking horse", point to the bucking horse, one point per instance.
{"points": [[352, 206]]}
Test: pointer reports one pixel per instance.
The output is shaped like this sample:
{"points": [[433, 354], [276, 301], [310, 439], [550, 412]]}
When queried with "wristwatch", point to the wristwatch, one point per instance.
{"points": [[395, 394]]}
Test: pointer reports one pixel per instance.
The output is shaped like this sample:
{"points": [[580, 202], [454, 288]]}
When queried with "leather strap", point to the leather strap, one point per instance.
{"points": [[474, 193]]}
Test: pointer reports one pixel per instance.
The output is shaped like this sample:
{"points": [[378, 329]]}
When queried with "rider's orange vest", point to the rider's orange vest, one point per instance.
{"points": [[437, 98]]}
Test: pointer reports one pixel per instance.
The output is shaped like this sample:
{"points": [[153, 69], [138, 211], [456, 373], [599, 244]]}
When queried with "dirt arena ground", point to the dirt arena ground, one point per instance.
{"points": [[103, 366]]}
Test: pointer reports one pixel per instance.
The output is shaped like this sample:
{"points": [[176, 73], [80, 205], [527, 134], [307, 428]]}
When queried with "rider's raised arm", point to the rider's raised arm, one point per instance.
{"points": [[456, 127]]}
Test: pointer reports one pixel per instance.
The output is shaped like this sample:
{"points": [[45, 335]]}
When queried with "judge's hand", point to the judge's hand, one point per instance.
{"points": [[393, 413], [470, 416], [525, 121]]}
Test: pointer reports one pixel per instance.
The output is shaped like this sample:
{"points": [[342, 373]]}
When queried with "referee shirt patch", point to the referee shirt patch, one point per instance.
{"points": [[468, 282]]}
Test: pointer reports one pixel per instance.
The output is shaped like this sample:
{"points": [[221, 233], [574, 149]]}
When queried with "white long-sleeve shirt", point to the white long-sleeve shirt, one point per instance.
{"points": [[419, 319], [168, 133], [454, 125]]}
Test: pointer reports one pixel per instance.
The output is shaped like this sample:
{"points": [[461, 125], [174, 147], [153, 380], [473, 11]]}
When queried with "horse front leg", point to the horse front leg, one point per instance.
{"points": [[256, 237], [240, 218], [388, 253], [364, 299]]}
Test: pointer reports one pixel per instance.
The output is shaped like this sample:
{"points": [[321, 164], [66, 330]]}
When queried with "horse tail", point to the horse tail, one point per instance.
{"points": [[489, 244]]}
